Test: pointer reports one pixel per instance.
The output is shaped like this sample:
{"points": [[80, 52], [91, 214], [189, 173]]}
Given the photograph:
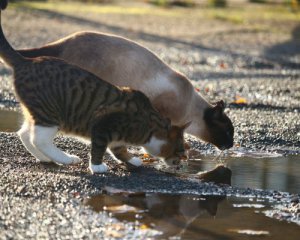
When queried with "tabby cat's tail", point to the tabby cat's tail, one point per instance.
{"points": [[50, 51], [7, 53], [3, 4]]}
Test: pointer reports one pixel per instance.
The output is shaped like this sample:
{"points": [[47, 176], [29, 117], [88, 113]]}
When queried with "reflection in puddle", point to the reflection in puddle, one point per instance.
{"points": [[241, 152], [272, 172], [278, 173], [194, 216], [170, 214]]}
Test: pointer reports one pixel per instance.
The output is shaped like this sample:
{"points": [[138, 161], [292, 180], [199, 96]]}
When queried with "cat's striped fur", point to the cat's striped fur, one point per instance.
{"points": [[56, 96]]}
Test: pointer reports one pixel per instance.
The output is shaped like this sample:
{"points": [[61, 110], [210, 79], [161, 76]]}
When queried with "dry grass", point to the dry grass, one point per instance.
{"points": [[238, 15]]}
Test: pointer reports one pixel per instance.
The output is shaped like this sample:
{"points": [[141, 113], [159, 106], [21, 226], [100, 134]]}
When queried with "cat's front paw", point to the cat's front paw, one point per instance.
{"points": [[68, 159], [101, 168], [135, 161], [43, 160], [73, 159]]}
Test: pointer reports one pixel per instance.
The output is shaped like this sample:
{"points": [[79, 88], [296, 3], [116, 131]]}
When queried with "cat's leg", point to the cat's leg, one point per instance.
{"points": [[24, 134], [99, 144], [122, 154], [42, 138]]}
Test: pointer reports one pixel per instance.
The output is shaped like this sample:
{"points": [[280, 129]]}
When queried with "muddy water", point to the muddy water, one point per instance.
{"points": [[195, 217]]}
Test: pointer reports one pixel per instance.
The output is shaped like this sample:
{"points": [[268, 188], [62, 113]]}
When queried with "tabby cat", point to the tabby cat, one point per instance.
{"points": [[55, 95]]}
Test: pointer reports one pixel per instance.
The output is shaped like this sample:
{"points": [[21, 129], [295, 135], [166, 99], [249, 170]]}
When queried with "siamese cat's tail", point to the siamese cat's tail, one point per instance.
{"points": [[7, 53]]}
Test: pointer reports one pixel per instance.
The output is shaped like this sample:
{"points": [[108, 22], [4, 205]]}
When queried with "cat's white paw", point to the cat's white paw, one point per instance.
{"points": [[69, 159], [43, 160], [135, 161], [102, 168], [75, 159]]}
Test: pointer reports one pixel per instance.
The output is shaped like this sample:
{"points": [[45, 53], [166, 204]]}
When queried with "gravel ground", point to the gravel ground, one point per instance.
{"points": [[223, 60], [46, 201]]}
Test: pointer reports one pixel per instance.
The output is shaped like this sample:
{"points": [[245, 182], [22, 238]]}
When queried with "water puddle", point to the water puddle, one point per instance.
{"points": [[279, 173], [249, 169], [194, 216]]}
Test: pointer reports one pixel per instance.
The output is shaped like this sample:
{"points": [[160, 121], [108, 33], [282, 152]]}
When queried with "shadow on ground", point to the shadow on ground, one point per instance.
{"points": [[155, 38], [290, 48]]}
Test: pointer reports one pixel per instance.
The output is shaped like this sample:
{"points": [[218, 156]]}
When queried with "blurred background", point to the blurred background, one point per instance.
{"points": [[207, 40], [294, 4]]}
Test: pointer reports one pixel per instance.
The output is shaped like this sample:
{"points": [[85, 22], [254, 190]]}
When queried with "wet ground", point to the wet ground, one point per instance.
{"points": [[152, 201], [195, 216], [255, 70], [256, 170]]}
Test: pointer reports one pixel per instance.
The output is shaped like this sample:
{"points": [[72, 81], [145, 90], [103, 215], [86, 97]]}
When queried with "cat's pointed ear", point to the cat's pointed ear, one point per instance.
{"points": [[220, 105], [218, 109]]}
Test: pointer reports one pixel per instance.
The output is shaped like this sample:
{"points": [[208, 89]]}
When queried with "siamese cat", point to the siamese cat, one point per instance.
{"points": [[56, 95], [126, 63]]}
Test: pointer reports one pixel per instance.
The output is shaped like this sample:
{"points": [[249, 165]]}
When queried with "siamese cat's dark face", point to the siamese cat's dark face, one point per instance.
{"points": [[219, 129]]}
